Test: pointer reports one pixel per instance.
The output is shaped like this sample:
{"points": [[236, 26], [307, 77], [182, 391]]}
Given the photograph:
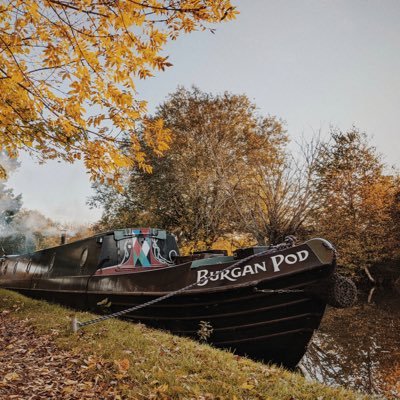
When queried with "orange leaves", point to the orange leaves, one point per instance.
{"points": [[357, 200], [157, 39], [122, 365], [71, 67], [33, 10], [156, 135], [51, 55]]}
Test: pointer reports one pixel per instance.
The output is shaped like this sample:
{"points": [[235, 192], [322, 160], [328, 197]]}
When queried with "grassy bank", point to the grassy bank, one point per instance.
{"points": [[143, 363]]}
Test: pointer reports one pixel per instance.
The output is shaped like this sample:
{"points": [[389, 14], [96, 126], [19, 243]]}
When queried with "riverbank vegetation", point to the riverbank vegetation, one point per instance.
{"points": [[135, 362], [232, 176]]}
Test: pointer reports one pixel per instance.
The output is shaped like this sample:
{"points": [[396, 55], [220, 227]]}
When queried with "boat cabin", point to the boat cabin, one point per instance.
{"points": [[132, 248]]}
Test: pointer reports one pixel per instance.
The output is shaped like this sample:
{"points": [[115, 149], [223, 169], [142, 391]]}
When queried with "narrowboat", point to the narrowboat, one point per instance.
{"points": [[263, 302]]}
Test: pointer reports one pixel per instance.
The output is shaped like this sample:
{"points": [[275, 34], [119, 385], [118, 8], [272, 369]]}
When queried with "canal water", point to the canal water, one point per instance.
{"points": [[359, 348]]}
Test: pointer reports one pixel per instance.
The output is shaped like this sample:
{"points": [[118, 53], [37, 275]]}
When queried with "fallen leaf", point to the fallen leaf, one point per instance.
{"points": [[247, 386], [12, 376], [123, 365]]}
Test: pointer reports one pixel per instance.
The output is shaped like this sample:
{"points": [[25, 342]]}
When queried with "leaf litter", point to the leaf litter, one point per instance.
{"points": [[33, 367], [40, 358]]}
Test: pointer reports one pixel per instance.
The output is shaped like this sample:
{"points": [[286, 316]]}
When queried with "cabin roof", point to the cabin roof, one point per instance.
{"points": [[118, 233]]}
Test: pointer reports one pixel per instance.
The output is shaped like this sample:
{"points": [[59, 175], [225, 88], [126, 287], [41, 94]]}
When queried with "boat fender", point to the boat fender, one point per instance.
{"points": [[337, 291], [342, 292]]}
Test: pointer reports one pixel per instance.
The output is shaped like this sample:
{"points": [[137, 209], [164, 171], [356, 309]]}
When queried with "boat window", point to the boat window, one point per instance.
{"points": [[28, 266], [51, 265], [84, 256], [15, 267]]}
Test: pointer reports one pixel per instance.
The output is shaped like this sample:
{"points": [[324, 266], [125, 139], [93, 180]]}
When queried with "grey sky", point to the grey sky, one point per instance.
{"points": [[313, 63]]}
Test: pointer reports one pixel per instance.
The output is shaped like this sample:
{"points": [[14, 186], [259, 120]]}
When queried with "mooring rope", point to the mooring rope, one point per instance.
{"points": [[76, 325]]}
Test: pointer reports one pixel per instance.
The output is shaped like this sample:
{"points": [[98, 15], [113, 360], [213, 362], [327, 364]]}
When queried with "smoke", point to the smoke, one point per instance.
{"points": [[33, 221], [9, 206], [28, 231], [22, 230], [9, 203]]}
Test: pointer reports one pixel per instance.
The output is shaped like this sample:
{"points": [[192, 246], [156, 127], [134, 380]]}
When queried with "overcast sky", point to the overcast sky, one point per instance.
{"points": [[313, 63]]}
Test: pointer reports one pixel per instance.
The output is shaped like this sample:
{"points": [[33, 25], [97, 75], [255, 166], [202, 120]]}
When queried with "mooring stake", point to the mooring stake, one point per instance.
{"points": [[75, 324]]}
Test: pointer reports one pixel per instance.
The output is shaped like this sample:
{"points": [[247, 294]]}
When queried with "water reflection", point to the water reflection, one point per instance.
{"points": [[359, 348]]}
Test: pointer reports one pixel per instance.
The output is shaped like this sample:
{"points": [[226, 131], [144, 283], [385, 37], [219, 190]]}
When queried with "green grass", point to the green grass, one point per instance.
{"points": [[160, 365]]}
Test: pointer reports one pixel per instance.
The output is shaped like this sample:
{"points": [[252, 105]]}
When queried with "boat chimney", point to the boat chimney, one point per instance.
{"points": [[63, 237]]}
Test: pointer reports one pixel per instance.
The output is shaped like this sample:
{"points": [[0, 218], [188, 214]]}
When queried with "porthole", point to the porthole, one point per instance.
{"points": [[84, 257]]}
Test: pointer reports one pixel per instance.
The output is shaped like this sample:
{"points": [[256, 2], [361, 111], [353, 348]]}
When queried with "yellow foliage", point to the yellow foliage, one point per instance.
{"points": [[67, 73], [230, 243]]}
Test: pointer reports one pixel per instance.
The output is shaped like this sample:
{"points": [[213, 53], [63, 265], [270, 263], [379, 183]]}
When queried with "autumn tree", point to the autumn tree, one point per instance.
{"points": [[198, 187], [356, 200], [68, 70], [281, 194]]}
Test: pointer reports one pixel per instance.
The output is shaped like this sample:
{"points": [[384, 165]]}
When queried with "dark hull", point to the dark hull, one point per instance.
{"points": [[270, 326]]}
